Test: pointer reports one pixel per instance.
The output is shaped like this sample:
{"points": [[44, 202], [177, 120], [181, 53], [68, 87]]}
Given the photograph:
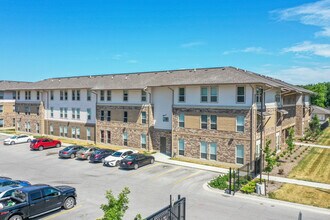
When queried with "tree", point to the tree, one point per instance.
{"points": [[289, 140], [269, 158], [116, 207], [322, 93]]}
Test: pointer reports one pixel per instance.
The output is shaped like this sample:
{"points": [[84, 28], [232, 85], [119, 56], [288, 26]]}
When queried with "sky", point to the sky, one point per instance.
{"points": [[39, 39]]}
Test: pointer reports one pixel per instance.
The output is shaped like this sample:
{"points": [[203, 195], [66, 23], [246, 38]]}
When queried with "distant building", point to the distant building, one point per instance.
{"points": [[322, 113]]}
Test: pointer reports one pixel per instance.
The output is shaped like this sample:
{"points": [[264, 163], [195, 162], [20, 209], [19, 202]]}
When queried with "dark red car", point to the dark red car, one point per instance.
{"points": [[44, 143]]}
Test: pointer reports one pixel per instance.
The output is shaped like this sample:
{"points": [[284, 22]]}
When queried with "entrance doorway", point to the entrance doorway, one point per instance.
{"points": [[163, 145]]}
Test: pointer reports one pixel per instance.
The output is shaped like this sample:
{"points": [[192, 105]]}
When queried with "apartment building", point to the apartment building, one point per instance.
{"points": [[208, 113]]}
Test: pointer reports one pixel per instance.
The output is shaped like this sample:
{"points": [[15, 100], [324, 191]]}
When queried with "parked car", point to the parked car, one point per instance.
{"points": [[17, 139], [7, 191], [115, 158], [85, 153], [32, 201], [70, 151], [44, 143], [10, 182], [134, 161], [100, 154]]}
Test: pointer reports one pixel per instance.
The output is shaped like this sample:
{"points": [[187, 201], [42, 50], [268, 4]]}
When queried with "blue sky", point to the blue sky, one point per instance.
{"points": [[289, 40]]}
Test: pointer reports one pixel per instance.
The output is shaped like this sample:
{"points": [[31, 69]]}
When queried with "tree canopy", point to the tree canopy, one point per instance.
{"points": [[322, 96]]}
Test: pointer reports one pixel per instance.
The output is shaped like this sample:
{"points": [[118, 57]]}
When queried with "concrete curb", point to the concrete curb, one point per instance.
{"points": [[298, 206]]}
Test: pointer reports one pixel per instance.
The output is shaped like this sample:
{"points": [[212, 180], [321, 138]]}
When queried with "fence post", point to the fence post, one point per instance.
{"points": [[179, 207], [230, 180], [184, 209], [239, 184], [170, 206], [234, 182], [248, 171]]}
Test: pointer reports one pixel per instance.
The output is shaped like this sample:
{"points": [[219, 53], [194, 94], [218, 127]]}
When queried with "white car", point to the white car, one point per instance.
{"points": [[115, 158], [18, 139]]}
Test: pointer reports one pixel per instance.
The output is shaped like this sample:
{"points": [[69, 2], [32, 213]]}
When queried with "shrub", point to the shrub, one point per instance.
{"points": [[292, 161], [281, 155], [281, 171], [249, 188], [278, 164], [295, 157], [220, 182]]}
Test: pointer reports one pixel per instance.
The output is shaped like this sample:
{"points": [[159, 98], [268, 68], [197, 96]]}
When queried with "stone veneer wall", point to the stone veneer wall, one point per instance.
{"points": [[116, 126], [156, 134], [8, 114], [35, 116], [299, 120], [226, 140]]}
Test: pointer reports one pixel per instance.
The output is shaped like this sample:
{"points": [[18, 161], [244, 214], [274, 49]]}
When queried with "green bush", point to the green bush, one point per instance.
{"points": [[249, 188], [220, 182], [282, 155]]}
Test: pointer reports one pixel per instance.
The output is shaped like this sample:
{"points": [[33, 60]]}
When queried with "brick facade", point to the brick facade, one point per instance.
{"points": [[8, 114]]}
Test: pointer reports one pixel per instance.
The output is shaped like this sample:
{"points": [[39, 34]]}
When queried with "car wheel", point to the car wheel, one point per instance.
{"points": [[58, 145], [41, 148], [12, 143], [16, 217], [117, 163], [136, 166], [69, 203], [152, 161], [72, 156], [28, 140]]}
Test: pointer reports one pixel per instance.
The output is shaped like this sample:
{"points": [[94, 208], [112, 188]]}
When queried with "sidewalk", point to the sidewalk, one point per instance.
{"points": [[311, 145], [162, 158]]}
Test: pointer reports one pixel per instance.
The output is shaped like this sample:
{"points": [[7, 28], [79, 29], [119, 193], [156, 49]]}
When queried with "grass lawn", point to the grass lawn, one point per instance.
{"points": [[303, 195], [324, 139], [314, 167]]}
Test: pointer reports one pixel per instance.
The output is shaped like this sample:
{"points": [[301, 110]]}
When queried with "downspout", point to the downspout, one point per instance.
{"points": [[95, 127], [149, 101], [251, 130], [172, 120]]}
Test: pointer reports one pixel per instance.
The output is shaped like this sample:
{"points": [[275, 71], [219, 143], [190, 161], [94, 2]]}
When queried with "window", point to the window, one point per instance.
{"points": [[1, 124], [143, 96], [278, 141], [73, 95], [143, 140], [204, 94], [203, 121], [50, 192], [27, 110], [18, 125], [278, 99], [240, 123], [65, 95], [35, 196], [108, 95], [65, 112], [108, 137], [165, 118], [65, 129], [214, 94], [125, 138], [240, 94], [73, 113], [182, 95], [181, 120], [89, 114], [37, 128], [78, 113], [181, 147], [1, 95], [88, 134], [61, 94], [73, 132], [1, 108], [52, 113], [78, 133], [258, 144], [38, 95], [203, 150], [109, 116], [102, 136], [78, 95], [214, 122], [28, 127], [102, 95], [14, 122], [102, 115], [125, 95], [61, 131], [259, 93], [89, 95], [27, 95], [51, 129], [125, 117], [14, 95], [213, 151], [51, 95], [37, 110], [240, 154], [144, 117]]}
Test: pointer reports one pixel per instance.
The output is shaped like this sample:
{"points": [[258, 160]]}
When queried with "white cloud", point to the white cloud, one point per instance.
{"points": [[315, 14], [257, 50], [310, 48], [299, 75], [192, 44]]}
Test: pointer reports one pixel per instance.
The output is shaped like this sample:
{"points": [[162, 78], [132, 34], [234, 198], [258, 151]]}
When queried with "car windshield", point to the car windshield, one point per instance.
{"points": [[131, 157], [67, 149], [116, 154]]}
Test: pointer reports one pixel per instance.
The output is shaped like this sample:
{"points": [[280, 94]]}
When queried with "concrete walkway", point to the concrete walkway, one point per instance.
{"points": [[311, 145], [162, 158]]}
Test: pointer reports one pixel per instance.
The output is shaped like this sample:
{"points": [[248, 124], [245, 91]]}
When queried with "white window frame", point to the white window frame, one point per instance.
{"points": [[236, 155], [240, 125]]}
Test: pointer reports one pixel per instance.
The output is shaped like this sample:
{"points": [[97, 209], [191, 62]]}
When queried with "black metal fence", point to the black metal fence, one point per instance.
{"points": [[174, 211]]}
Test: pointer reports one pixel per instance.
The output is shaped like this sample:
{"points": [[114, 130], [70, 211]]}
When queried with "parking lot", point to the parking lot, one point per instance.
{"points": [[150, 187]]}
